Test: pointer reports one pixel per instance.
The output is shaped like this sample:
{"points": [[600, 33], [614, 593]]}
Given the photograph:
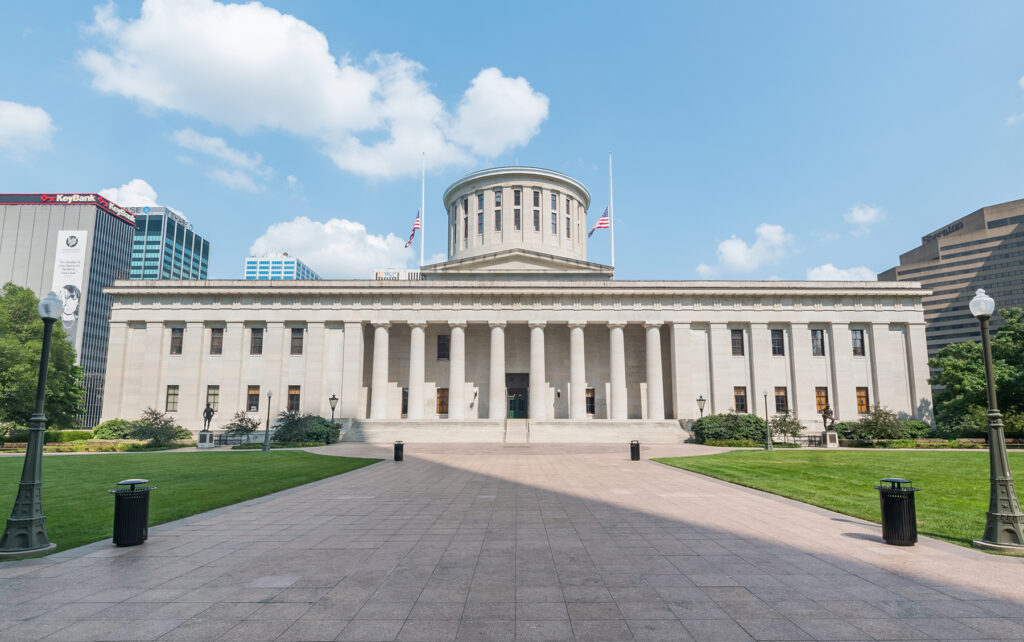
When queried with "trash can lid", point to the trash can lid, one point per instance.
{"points": [[896, 480], [132, 482]]}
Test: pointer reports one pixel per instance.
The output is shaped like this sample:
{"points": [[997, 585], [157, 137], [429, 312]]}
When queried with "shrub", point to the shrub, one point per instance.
{"points": [[296, 427], [113, 429], [848, 429], [242, 425], [735, 443], [157, 428], [880, 423], [52, 436], [915, 429], [730, 426], [786, 426]]}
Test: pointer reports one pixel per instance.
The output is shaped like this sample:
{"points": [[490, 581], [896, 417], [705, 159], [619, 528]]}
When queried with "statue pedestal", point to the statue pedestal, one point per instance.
{"points": [[830, 439], [205, 439]]}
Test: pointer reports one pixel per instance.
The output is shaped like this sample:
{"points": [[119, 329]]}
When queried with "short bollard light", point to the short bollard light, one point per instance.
{"points": [[131, 512], [634, 450], [899, 514], [399, 451]]}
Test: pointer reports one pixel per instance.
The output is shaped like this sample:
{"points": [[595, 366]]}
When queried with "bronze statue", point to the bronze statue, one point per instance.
{"points": [[207, 416], [828, 417]]}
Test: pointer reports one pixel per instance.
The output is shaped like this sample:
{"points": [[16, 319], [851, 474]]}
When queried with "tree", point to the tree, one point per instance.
{"points": [[786, 426], [880, 423], [21, 346], [242, 425], [157, 428]]}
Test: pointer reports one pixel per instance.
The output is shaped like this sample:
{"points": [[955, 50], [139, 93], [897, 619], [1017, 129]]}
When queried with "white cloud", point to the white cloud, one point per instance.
{"points": [[24, 128], [1016, 118], [251, 67], [335, 249], [292, 181], [829, 272], [440, 257], [191, 139], [235, 179], [134, 193], [863, 215], [735, 255]]}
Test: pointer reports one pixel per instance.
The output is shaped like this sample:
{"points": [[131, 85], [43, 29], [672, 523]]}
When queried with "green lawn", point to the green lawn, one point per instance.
{"points": [[950, 506], [79, 510]]}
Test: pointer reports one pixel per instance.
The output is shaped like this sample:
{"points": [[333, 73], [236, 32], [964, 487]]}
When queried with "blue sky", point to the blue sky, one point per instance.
{"points": [[750, 140]]}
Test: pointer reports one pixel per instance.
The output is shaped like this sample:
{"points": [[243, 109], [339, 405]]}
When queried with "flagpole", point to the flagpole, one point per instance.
{"points": [[611, 207], [423, 203]]}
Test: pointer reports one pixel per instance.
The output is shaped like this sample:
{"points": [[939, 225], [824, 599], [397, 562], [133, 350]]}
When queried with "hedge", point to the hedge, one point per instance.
{"points": [[729, 427]]}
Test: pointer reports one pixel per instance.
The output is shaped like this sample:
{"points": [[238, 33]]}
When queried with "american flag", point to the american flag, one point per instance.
{"points": [[415, 226], [602, 224]]}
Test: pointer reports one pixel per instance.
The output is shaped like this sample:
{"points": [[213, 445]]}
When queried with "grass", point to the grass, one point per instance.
{"points": [[79, 510], [951, 505]]}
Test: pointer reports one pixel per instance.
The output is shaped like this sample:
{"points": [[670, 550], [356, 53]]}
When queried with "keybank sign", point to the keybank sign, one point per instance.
{"points": [[68, 199]]}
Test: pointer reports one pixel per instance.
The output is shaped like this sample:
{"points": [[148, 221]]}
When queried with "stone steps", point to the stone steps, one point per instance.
{"points": [[497, 431]]}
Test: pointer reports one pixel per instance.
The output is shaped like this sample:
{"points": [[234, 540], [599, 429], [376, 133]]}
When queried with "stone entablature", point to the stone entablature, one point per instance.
{"points": [[624, 349]]}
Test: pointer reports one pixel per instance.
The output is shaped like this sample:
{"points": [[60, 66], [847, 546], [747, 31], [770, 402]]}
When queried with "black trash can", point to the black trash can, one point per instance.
{"points": [[399, 451], [634, 450], [899, 514], [131, 512]]}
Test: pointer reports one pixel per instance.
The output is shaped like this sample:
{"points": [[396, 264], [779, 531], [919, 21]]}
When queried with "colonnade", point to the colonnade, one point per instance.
{"points": [[538, 407]]}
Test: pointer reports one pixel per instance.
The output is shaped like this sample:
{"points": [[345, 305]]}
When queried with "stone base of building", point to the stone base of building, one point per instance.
{"points": [[498, 431]]}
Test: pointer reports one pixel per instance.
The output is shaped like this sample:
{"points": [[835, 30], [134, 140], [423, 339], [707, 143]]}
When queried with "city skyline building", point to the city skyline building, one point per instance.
{"points": [[984, 249], [75, 245], [166, 247], [278, 267]]}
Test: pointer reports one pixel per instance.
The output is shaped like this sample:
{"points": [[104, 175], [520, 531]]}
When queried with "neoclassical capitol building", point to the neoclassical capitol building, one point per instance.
{"points": [[516, 337]]}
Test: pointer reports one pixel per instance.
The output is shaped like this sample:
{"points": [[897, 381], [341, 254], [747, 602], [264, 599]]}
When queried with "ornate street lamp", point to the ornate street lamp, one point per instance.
{"points": [[700, 405], [334, 404], [767, 428], [1004, 519], [266, 435], [26, 527]]}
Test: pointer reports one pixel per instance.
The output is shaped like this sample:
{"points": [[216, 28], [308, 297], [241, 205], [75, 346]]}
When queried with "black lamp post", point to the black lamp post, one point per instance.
{"points": [[266, 435], [700, 405], [26, 527], [334, 404], [1004, 520], [767, 428]]}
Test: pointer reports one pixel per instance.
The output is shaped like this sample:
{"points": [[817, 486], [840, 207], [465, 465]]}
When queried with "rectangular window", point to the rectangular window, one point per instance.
{"points": [[820, 398], [497, 198], [778, 343], [480, 223], [497, 220], [781, 399], [517, 197], [442, 401], [294, 394], [172, 398], [216, 340], [863, 407], [554, 224], [177, 337], [296, 340], [213, 397], [480, 201], [590, 401], [568, 228], [737, 343], [818, 343], [739, 398], [554, 202], [536, 198], [444, 342], [566, 204], [256, 341], [517, 220], [465, 206], [405, 401], [536, 220], [858, 342], [465, 226], [253, 399]]}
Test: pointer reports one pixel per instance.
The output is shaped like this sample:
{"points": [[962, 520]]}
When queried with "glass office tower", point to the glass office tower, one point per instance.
{"points": [[278, 267], [165, 247]]}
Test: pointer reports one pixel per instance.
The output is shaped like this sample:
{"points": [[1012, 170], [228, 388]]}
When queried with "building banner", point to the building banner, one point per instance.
{"points": [[68, 273]]}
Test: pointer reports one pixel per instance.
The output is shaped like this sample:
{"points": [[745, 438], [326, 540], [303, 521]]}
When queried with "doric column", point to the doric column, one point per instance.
{"points": [[379, 381], [538, 380], [457, 372], [496, 398], [617, 365], [655, 387], [577, 373], [352, 371], [416, 368]]}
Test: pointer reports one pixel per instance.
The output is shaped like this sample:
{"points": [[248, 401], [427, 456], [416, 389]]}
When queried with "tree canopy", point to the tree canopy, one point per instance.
{"points": [[21, 345]]}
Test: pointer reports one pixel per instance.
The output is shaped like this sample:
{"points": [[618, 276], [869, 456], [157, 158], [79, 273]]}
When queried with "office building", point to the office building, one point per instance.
{"points": [[75, 245], [984, 249], [166, 247], [278, 267]]}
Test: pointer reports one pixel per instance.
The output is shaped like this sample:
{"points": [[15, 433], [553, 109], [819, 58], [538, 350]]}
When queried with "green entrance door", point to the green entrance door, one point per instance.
{"points": [[517, 387]]}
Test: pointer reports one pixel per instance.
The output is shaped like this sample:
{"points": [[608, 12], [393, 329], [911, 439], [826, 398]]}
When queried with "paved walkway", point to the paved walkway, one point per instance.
{"points": [[529, 542]]}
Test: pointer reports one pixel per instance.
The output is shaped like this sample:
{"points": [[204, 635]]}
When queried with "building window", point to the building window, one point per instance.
{"points": [[405, 401], [172, 399], [554, 224], [480, 201], [296, 340], [444, 342], [253, 399], [497, 220], [480, 223], [216, 340], [778, 343], [213, 397], [177, 337], [518, 220], [568, 228], [818, 343], [294, 394], [497, 198], [566, 204], [256, 341], [442, 401], [590, 401], [465, 226], [737, 343], [781, 399], [820, 398], [858, 342], [536, 198], [739, 398], [554, 202], [863, 407], [536, 220], [517, 197], [465, 206]]}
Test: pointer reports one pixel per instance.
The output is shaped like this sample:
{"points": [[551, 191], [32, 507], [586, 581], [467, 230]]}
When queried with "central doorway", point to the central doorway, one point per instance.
{"points": [[517, 390]]}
